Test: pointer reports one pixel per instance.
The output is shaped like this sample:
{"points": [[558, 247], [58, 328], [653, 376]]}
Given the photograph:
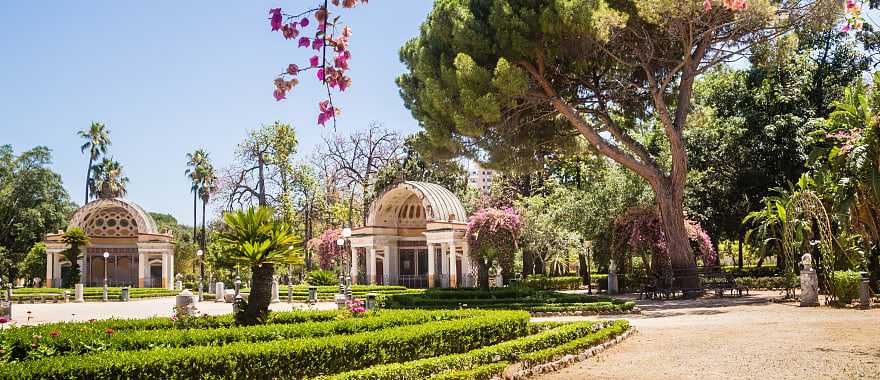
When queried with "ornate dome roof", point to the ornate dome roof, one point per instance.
{"points": [[439, 204], [113, 217]]}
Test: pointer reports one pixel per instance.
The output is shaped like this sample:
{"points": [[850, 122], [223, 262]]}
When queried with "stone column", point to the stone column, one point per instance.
{"points": [[453, 269], [465, 267], [50, 265], [170, 272], [444, 264], [386, 265], [354, 265], [165, 280], [275, 298], [142, 264], [431, 265], [371, 265]]}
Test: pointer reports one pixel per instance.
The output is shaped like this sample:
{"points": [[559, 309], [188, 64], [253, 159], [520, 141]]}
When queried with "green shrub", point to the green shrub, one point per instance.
{"points": [[483, 372], [846, 286], [775, 282], [508, 299], [84, 341], [575, 345], [509, 351], [290, 358], [542, 282], [321, 278]]}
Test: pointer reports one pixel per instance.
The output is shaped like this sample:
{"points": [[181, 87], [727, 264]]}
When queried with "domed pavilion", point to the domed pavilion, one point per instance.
{"points": [[139, 255], [414, 236]]}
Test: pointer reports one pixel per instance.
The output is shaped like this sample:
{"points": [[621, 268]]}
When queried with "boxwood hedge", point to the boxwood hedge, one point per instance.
{"points": [[508, 299], [286, 358]]}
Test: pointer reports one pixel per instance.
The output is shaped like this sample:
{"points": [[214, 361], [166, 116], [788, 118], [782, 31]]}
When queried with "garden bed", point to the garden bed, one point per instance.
{"points": [[91, 293], [452, 344], [535, 301]]}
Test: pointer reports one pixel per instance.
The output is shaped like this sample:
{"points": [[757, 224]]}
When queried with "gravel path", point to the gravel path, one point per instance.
{"points": [[744, 337]]}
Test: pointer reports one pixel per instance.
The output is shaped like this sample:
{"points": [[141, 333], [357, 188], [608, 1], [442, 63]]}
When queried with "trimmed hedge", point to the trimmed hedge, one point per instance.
{"points": [[775, 282], [94, 293], [288, 358], [552, 353], [541, 282], [509, 351], [509, 299], [86, 341], [483, 372], [846, 286]]}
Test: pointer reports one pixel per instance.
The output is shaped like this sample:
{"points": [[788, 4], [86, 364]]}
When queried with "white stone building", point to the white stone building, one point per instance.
{"points": [[415, 236], [480, 177], [139, 255]]}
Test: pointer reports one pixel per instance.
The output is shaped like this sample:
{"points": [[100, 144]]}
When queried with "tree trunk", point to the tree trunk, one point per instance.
{"points": [[195, 215], [672, 218], [874, 267], [583, 269], [483, 273], [740, 246], [261, 294], [204, 241], [262, 181], [88, 178], [528, 263]]}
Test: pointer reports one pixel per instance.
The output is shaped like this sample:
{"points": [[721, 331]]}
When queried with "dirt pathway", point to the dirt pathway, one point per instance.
{"points": [[740, 338]]}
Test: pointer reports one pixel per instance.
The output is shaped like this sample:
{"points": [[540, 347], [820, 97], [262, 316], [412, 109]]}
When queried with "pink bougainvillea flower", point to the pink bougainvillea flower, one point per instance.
{"points": [[304, 22], [292, 69], [4, 320], [314, 61], [707, 5], [275, 17], [304, 42], [289, 31], [321, 75], [344, 83], [317, 43], [279, 94]]}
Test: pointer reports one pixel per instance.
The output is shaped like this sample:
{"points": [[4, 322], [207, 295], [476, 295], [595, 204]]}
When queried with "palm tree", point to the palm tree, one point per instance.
{"points": [[97, 141], [255, 238], [195, 163], [208, 187], [75, 238], [108, 180]]}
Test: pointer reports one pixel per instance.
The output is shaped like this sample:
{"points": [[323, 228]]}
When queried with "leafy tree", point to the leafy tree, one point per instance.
{"points": [[329, 253], [97, 142], [498, 76], [76, 240], [255, 238], [7, 267], [542, 238], [33, 202], [34, 264], [108, 179], [492, 236], [846, 166]]}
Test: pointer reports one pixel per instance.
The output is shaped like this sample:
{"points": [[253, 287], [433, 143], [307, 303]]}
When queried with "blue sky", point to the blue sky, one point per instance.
{"points": [[171, 76]]}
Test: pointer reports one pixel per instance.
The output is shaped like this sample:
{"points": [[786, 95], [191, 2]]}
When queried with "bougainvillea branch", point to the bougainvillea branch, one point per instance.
{"points": [[326, 248], [330, 42]]}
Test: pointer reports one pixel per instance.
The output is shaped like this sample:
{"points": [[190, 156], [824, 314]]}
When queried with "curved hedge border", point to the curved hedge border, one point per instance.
{"points": [[510, 299], [509, 351], [294, 358], [82, 341]]}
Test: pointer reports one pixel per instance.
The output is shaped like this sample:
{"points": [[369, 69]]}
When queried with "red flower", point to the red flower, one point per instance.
{"points": [[304, 22], [304, 42], [314, 61], [109, 331], [3, 320], [279, 94], [54, 334], [292, 69]]}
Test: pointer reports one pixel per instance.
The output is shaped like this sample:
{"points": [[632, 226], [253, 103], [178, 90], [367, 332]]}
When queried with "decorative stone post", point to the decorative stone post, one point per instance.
{"points": [[219, 292], [313, 294], [275, 297], [865, 291], [612, 278], [78, 290], [809, 282], [178, 283], [371, 303], [184, 303]]}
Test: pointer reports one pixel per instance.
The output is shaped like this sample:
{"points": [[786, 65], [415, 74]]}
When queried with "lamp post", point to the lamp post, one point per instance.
{"points": [[106, 257], [199, 253], [289, 281], [346, 235]]}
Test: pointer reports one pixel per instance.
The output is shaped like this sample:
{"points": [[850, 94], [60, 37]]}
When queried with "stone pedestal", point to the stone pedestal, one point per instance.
{"points": [[78, 290], [612, 284], [809, 282], [178, 285], [219, 292], [865, 291], [275, 298], [499, 279], [341, 301], [185, 303]]}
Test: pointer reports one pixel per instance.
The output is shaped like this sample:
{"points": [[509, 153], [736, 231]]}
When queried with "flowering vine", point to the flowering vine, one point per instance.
{"points": [[329, 41], [492, 235], [326, 248], [639, 230]]}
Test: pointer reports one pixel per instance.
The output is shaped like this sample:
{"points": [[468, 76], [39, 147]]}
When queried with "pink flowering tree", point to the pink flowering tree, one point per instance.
{"points": [[325, 247], [639, 232], [318, 29], [492, 234]]}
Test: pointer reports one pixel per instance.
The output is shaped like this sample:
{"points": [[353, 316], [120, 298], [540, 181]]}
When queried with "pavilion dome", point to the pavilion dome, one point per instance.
{"points": [[398, 206], [113, 217]]}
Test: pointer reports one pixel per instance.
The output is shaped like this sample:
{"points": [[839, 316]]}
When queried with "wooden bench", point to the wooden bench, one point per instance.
{"points": [[719, 281]]}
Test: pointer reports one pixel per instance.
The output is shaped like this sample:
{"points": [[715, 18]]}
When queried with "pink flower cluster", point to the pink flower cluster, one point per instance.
{"points": [[326, 248], [493, 227], [734, 5], [848, 139], [356, 307], [853, 14], [641, 229], [331, 71]]}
